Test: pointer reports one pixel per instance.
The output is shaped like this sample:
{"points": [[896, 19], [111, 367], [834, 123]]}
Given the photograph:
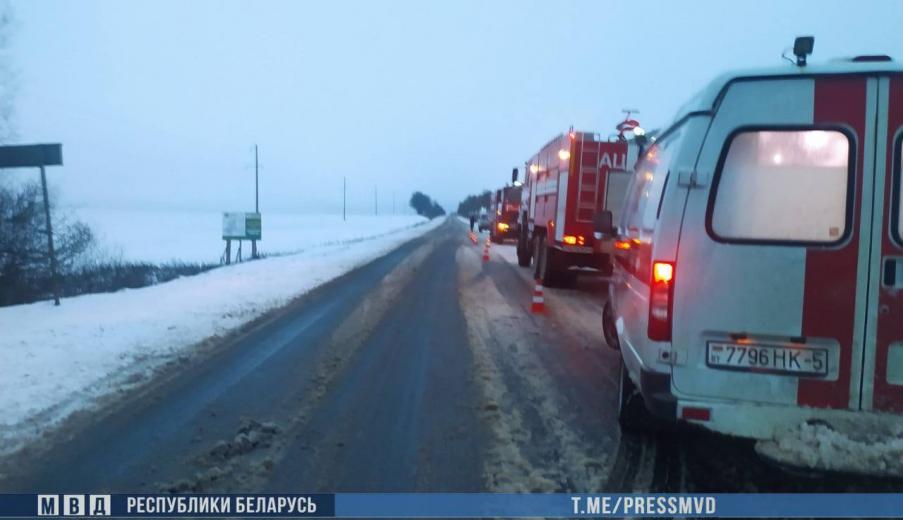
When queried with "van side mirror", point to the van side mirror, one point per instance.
{"points": [[602, 223]]}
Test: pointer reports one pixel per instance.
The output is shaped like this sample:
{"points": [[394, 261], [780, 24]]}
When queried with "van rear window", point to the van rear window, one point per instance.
{"points": [[783, 186]]}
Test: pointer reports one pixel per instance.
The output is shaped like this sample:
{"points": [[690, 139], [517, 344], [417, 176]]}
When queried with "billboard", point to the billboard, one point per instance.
{"points": [[238, 225]]}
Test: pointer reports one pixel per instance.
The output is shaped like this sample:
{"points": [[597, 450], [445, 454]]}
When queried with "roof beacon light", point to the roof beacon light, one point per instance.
{"points": [[802, 47]]}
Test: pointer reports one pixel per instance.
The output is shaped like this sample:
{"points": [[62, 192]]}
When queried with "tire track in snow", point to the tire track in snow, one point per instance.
{"points": [[534, 446]]}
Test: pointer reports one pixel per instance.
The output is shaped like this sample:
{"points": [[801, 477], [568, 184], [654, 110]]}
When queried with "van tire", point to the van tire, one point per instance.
{"points": [[632, 414], [609, 330]]}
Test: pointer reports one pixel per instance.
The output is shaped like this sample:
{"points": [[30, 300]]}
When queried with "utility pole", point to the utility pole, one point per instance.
{"points": [[344, 190], [256, 178], [256, 198]]}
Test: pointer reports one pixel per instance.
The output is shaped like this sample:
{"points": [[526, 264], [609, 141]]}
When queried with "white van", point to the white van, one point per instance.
{"points": [[759, 276]]}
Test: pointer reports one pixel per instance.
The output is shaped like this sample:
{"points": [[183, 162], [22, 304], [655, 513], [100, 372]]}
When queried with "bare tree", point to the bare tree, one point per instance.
{"points": [[23, 230]]}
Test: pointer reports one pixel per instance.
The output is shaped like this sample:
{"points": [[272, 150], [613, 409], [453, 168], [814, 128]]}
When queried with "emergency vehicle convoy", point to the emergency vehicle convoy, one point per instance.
{"points": [[568, 183], [504, 211], [760, 286]]}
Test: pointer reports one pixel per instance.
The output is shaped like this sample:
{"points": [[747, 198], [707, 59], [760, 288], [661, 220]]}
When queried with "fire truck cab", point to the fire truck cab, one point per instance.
{"points": [[503, 213], [573, 178], [762, 285]]}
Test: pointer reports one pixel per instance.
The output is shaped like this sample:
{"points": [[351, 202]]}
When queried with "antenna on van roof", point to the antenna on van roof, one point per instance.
{"points": [[802, 47]]}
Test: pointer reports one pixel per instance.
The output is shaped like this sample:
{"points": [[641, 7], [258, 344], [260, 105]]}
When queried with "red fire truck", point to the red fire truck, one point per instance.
{"points": [[504, 211], [573, 178]]}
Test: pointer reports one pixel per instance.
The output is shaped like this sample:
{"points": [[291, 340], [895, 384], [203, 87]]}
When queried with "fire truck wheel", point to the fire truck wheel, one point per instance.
{"points": [[609, 331], [632, 414], [523, 256], [547, 264], [541, 259], [538, 247], [606, 269]]}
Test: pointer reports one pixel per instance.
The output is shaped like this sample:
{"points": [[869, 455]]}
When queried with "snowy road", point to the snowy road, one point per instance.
{"points": [[422, 370]]}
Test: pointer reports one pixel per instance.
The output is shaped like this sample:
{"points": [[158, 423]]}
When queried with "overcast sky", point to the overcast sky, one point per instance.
{"points": [[158, 103]]}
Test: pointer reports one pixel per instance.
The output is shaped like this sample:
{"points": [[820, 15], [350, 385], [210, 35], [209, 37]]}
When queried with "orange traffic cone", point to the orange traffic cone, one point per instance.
{"points": [[539, 305], [486, 251]]}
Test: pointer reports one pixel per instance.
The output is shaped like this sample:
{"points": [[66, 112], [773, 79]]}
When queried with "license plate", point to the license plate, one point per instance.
{"points": [[774, 359]]}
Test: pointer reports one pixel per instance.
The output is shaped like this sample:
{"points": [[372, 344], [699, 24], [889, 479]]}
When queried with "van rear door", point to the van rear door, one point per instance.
{"points": [[772, 272], [882, 385]]}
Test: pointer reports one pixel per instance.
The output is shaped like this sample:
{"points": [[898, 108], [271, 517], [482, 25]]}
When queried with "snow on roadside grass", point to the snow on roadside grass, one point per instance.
{"points": [[864, 448], [57, 360], [195, 236]]}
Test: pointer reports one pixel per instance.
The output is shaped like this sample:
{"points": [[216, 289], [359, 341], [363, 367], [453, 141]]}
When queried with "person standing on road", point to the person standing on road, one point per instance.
{"points": [[473, 220]]}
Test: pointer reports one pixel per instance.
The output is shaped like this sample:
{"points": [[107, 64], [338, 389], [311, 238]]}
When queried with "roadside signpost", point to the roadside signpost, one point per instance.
{"points": [[238, 225], [38, 156]]}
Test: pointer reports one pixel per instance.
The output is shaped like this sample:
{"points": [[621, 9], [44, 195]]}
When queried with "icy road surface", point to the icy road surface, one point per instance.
{"points": [[58, 360], [422, 370]]}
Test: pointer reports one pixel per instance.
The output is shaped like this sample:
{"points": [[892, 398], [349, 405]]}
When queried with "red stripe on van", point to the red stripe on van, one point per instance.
{"points": [[829, 298], [888, 397]]}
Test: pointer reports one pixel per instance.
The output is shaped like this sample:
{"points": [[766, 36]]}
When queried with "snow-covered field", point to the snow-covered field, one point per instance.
{"points": [[196, 236], [56, 360]]}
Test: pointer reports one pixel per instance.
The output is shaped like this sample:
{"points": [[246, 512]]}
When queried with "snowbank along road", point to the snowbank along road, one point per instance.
{"points": [[422, 370]]}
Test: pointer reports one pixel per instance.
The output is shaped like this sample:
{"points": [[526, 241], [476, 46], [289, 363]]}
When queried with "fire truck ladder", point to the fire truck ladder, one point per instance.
{"points": [[588, 179]]}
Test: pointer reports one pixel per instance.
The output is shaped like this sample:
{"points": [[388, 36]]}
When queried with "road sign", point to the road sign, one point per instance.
{"points": [[31, 156], [241, 226], [253, 226], [38, 156]]}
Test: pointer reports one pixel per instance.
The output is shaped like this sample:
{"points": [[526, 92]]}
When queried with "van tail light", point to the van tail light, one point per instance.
{"points": [[661, 300]]}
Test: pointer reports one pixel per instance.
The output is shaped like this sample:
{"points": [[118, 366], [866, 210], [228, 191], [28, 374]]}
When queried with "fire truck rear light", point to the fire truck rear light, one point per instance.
{"points": [[661, 296], [580, 240], [564, 154], [570, 239], [696, 414], [502, 226]]}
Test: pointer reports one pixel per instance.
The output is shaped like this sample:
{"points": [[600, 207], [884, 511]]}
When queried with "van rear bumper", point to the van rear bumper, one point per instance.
{"points": [[764, 421]]}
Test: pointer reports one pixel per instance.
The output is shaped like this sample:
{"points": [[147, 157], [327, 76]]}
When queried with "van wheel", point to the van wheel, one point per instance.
{"points": [[609, 331], [632, 414]]}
